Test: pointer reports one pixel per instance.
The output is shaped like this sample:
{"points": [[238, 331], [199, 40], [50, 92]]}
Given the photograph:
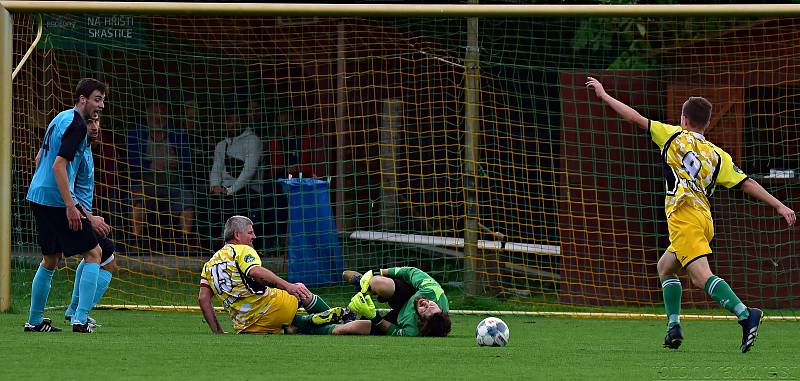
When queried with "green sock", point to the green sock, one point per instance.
{"points": [[326, 329], [317, 304], [302, 320], [719, 290], [671, 287], [306, 326]]}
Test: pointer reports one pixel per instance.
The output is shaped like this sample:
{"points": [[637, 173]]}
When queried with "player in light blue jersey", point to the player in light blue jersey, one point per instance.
{"points": [[84, 193], [62, 227]]}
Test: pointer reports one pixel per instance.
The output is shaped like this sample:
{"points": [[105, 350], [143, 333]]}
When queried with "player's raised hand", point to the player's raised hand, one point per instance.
{"points": [[788, 215], [598, 87]]}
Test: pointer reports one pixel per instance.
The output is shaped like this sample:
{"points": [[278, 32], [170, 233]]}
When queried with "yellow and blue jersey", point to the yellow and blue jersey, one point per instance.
{"points": [[226, 274], [693, 167]]}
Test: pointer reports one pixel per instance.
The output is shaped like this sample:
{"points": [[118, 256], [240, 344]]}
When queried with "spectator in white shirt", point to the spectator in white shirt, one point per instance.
{"points": [[235, 178]]}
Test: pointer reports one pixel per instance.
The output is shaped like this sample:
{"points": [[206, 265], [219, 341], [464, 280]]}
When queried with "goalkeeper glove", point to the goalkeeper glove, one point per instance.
{"points": [[364, 282], [363, 305]]}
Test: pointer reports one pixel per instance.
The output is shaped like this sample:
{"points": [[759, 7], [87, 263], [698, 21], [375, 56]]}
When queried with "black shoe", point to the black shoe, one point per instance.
{"points": [[82, 328], [45, 326], [674, 337], [750, 328], [348, 317], [92, 323]]}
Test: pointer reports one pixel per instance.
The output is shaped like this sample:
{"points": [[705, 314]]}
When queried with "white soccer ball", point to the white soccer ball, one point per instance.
{"points": [[492, 332]]}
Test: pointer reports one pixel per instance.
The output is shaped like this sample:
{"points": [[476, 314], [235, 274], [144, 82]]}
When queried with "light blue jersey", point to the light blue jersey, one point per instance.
{"points": [[84, 181], [65, 137]]}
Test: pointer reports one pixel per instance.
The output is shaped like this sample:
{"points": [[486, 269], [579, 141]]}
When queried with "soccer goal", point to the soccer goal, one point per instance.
{"points": [[460, 139]]}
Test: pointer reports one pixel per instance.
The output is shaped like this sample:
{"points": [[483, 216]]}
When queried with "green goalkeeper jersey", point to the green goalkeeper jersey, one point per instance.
{"points": [[427, 287]]}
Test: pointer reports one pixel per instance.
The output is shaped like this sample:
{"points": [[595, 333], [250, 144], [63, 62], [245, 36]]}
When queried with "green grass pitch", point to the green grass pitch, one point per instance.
{"points": [[179, 346]]}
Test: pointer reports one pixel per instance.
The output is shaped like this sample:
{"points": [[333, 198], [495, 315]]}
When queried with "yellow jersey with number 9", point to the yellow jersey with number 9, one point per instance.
{"points": [[226, 274], [693, 167]]}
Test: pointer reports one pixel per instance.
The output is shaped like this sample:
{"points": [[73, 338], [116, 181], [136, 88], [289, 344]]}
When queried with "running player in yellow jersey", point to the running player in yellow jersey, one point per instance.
{"points": [[693, 167], [257, 300]]}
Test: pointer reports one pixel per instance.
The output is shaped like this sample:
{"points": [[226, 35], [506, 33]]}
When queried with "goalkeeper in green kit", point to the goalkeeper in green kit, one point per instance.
{"points": [[418, 304]]}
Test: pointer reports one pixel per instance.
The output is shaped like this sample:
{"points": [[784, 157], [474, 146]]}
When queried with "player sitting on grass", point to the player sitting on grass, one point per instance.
{"points": [[693, 167], [257, 300], [418, 304]]}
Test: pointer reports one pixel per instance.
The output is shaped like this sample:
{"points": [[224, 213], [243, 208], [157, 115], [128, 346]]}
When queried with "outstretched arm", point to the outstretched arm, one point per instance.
{"points": [[622, 109], [754, 189], [355, 327], [268, 278], [204, 299]]}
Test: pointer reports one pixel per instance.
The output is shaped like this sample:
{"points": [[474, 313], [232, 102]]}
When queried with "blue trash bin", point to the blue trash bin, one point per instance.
{"points": [[314, 255]]}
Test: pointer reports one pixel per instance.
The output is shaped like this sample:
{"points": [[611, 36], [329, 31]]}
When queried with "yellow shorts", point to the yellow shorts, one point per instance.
{"points": [[281, 312], [690, 234]]}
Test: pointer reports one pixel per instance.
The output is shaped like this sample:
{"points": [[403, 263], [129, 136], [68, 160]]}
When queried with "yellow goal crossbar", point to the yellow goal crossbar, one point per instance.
{"points": [[403, 10]]}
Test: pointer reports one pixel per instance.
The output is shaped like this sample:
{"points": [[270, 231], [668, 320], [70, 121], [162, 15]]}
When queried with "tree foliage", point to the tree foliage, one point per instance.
{"points": [[634, 43]]}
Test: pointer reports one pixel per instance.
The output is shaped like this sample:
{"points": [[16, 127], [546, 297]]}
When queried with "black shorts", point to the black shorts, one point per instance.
{"points": [[403, 292], [55, 236]]}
